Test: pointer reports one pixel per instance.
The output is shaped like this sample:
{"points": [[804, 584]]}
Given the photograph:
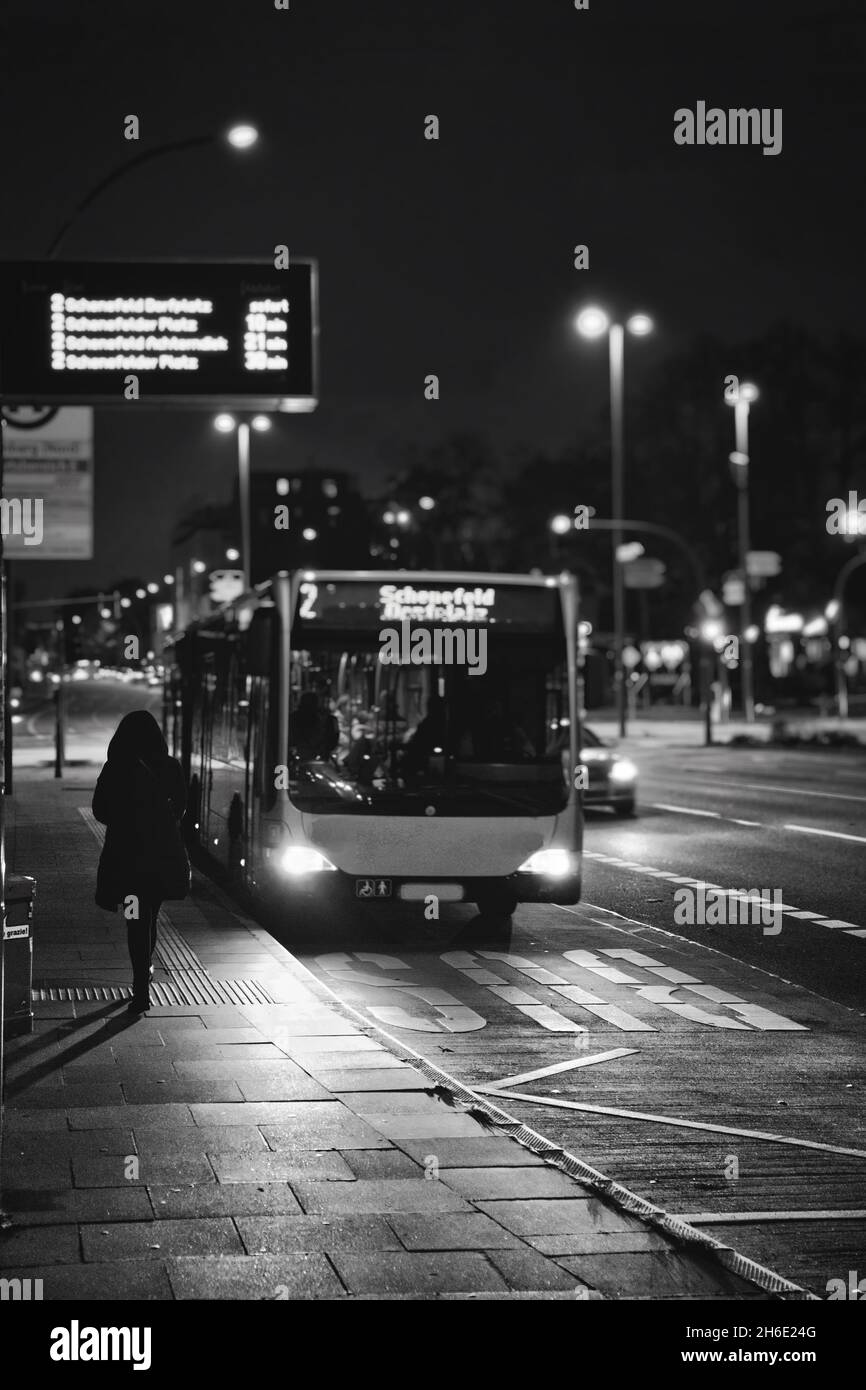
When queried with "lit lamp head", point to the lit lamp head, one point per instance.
{"points": [[260, 423], [639, 325], [711, 629], [242, 137], [224, 423], [592, 322], [560, 525]]}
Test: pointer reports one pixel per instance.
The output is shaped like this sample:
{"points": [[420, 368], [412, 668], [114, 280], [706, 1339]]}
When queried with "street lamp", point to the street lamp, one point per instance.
{"points": [[741, 398], [226, 423], [239, 137], [593, 322]]}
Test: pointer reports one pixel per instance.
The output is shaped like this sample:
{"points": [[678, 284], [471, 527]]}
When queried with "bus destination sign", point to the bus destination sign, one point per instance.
{"points": [[199, 333]]}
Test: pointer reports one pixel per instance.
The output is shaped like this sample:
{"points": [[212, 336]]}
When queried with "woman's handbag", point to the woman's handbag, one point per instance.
{"points": [[171, 864]]}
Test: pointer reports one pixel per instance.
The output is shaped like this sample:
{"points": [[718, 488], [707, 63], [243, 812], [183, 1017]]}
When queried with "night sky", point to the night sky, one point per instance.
{"points": [[454, 256]]}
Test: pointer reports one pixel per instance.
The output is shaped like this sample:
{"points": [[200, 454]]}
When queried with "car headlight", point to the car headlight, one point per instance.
{"points": [[300, 859], [553, 863], [623, 771]]}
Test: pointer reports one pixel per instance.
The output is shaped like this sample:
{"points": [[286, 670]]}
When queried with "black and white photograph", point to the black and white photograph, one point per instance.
{"points": [[432, 676]]}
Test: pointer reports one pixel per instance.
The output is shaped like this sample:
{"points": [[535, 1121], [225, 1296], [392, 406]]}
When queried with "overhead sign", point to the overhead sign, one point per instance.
{"points": [[47, 505], [365, 604], [201, 333], [226, 585], [644, 573], [734, 590], [763, 564]]}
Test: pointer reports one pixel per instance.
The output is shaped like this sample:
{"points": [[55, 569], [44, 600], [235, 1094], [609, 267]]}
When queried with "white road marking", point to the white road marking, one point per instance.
{"points": [[797, 791], [741, 894], [677, 1123], [716, 1218], [685, 810], [735, 820], [831, 834], [558, 1067]]}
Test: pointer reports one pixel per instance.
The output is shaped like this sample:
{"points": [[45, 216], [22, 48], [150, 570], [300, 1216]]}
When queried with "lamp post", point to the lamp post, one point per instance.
{"points": [[835, 612], [594, 323], [741, 398], [226, 424], [239, 137]]}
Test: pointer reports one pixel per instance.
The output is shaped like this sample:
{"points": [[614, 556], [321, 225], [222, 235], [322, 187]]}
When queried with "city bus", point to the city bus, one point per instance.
{"points": [[320, 771]]}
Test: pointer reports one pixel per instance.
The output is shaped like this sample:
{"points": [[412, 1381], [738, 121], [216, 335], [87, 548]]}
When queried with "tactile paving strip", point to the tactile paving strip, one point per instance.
{"points": [[192, 988]]}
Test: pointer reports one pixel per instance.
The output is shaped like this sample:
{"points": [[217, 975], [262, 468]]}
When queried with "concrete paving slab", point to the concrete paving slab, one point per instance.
{"points": [[341, 1130], [281, 1167], [183, 1090], [460, 1231], [110, 1172], [450, 1124], [382, 1163], [652, 1274], [199, 1139], [495, 1184], [277, 1236], [33, 1245], [138, 1116], [377, 1196], [272, 1199], [46, 1207], [487, 1151], [125, 1280], [555, 1216], [599, 1243], [526, 1270], [143, 1241], [386, 1274], [372, 1079], [271, 1278], [300, 1045]]}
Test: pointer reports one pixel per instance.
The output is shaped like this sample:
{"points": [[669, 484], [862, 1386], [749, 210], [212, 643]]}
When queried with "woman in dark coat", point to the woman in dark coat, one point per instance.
{"points": [[130, 800]]}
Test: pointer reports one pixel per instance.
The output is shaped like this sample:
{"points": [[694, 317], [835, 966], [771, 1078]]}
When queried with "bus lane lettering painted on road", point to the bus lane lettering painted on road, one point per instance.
{"points": [[645, 998]]}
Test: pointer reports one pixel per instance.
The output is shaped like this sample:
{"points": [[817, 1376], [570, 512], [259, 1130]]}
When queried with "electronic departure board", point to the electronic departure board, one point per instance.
{"points": [[198, 333]]}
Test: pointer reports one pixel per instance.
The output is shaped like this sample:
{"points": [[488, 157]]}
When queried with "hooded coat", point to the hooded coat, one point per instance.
{"points": [[130, 798]]}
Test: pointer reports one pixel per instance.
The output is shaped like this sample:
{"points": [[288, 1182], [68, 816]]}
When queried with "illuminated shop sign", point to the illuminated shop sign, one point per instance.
{"points": [[203, 333]]}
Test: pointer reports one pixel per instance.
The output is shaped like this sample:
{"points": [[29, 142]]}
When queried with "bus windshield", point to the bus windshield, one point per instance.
{"points": [[428, 734]]}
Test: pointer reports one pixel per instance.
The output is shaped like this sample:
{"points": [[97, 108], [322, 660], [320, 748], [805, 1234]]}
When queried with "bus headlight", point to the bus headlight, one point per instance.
{"points": [[300, 859], [623, 771], [553, 863]]}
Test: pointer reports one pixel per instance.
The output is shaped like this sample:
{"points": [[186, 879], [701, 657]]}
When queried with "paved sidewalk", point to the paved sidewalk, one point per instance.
{"points": [[256, 1141]]}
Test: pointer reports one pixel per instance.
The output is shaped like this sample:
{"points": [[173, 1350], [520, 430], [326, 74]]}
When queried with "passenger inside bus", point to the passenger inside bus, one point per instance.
{"points": [[313, 733]]}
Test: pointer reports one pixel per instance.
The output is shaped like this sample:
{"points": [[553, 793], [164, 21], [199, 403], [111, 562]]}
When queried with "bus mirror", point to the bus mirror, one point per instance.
{"points": [[259, 642]]}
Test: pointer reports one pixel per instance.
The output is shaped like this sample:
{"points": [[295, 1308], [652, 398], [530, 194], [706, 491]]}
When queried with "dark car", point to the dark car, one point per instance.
{"points": [[612, 778]]}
